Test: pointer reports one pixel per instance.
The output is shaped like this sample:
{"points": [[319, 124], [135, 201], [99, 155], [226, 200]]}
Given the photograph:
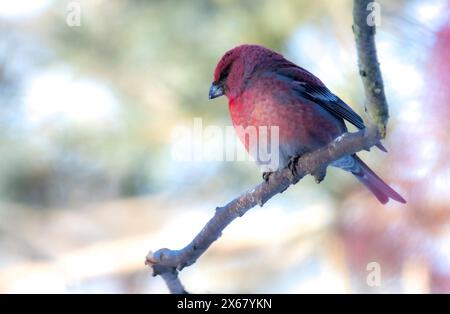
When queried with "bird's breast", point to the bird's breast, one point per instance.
{"points": [[300, 126]]}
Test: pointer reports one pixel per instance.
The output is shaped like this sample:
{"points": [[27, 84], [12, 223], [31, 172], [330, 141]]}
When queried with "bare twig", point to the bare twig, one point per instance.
{"points": [[168, 263], [369, 67]]}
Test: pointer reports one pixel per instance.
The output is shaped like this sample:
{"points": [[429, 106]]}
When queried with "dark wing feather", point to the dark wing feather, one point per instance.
{"points": [[330, 102], [310, 87]]}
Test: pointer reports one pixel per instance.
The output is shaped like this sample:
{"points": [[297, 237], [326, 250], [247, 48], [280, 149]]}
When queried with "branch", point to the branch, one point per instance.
{"points": [[369, 67], [167, 263], [173, 283]]}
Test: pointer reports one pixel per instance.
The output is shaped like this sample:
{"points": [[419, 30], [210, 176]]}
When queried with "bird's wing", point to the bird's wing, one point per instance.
{"points": [[311, 88], [327, 100]]}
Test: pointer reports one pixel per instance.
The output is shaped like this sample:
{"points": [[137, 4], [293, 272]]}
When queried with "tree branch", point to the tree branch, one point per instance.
{"points": [[369, 68], [167, 263]]}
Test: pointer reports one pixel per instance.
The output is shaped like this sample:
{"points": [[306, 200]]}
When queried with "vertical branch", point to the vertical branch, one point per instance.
{"points": [[365, 17]]}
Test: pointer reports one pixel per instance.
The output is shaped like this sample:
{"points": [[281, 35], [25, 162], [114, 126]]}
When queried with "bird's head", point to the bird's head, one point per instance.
{"points": [[236, 68]]}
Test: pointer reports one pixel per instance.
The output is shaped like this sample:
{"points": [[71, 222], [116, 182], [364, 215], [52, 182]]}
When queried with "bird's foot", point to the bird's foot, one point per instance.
{"points": [[292, 165], [266, 175]]}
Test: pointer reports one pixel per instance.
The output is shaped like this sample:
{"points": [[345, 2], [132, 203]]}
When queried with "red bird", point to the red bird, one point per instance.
{"points": [[264, 89]]}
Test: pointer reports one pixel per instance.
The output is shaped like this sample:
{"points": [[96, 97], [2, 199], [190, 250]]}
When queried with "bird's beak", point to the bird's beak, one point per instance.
{"points": [[216, 90]]}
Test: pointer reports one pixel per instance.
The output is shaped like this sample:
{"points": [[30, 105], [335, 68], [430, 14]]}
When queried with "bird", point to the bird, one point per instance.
{"points": [[265, 89]]}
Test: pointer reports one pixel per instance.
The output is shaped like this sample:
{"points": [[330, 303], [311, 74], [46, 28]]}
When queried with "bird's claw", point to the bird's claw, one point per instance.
{"points": [[292, 165], [266, 176]]}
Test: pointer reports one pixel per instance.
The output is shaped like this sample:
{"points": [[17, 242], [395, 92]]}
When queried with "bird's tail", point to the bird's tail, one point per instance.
{"points": [[375, 184]]}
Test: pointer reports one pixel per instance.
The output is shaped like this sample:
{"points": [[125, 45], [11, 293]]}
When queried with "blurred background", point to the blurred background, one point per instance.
{"points": [[88, 180]]}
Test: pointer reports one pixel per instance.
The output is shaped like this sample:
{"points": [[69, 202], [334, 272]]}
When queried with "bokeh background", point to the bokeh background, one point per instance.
{"points": [[88, 178]]}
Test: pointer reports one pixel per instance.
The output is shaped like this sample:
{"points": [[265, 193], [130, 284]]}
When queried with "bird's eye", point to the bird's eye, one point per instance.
{"points": [[224, 74]]}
